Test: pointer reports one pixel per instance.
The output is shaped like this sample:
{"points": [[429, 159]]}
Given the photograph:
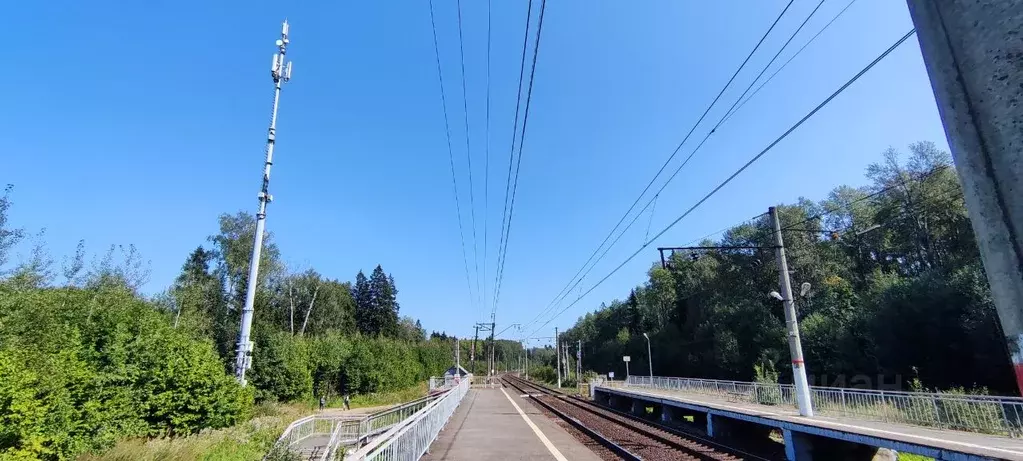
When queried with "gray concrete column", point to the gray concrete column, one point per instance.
{"points": [[973, 50]]}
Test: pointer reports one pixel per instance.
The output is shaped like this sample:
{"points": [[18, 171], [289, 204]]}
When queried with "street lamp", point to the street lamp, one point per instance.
{"points": [[650, 358]]}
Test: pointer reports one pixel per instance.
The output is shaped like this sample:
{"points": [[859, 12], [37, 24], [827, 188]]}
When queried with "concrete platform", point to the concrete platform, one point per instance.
{"points": [[488, 426], [946, 444]]}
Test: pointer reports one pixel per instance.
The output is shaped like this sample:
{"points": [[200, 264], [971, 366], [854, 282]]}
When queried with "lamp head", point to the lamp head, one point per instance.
{"points": [[776, 295]]}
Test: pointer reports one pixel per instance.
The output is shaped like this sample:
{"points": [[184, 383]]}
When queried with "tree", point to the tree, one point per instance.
{"points": [[384, 302], [233, 247], [9, 237], [897, 290], [365, 319]]}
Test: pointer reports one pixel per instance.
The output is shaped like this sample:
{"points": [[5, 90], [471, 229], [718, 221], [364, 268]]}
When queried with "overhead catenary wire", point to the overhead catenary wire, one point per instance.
{"points": [[468, 155], [568, 286], [451, 155], [685, 162], [486, 180], [800, 50], [879, 192], [518, 166], [511, 150], [737, 172]]}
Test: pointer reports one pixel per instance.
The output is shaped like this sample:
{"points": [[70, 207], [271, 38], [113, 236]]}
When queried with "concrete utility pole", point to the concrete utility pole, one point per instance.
{"points": [[568, 363], [493, 346], [649, 357], [579, 361], [281, 73], [972, 53], [472, 351], [792, 325], [526, 354], [557, 353]]}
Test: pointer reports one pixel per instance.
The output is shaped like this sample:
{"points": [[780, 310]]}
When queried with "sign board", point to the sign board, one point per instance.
{"points": [[626, 358], [610, 375]]}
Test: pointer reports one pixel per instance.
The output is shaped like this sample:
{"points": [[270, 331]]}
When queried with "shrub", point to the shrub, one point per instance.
{"points": [[85, 367], [280, 367], [543, 373]]}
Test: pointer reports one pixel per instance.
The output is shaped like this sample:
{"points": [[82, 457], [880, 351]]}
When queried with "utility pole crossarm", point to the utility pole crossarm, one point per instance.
{"points": [[280, 71]]}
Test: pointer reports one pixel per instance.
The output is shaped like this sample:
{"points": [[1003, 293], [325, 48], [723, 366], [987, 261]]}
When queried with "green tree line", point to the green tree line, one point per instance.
{"points": [[86, 359], [897, 293]]}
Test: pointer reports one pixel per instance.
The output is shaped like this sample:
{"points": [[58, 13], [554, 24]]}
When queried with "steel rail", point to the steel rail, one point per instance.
{"points": [[591, 408]]}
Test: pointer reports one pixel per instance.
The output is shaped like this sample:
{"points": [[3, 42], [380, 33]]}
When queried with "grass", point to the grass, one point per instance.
{"points": [[247, 441]]}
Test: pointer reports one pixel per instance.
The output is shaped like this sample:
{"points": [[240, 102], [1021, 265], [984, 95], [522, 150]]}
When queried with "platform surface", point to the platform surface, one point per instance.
{"points": [[967, 442], [488, 426]]}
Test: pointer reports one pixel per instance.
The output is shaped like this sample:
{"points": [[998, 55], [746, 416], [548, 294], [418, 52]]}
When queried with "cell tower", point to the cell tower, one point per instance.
{"points": [[281, 73]]}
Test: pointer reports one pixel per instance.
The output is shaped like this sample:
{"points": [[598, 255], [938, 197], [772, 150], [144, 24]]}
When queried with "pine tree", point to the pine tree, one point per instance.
{"points": [[384, 311], [363, 295]]}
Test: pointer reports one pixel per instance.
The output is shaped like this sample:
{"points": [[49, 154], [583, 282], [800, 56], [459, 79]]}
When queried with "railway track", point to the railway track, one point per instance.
{"points": [[626, 436]]}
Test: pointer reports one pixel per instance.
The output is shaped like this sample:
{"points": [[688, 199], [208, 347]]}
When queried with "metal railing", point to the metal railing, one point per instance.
{"points": [[373, 425], [974, 413], [309, 426], [437, 382], [409, 440]]}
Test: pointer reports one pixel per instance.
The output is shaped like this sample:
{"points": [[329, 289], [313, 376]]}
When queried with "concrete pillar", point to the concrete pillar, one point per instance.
{"points": [[637, 407], [710, 425], [972, 50], [798, 446]]}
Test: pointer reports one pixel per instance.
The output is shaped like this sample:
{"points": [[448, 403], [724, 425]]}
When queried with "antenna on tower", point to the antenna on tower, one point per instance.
{"points": [[281, 73]]}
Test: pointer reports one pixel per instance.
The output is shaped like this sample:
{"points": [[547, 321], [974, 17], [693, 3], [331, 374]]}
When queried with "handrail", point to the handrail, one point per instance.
{"points": [[306, 427], [367, 425], [423, 426], [975, 413]]}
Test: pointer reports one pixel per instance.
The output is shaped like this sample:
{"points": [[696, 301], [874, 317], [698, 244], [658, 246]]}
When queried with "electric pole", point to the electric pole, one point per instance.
{"points": [[792, 325], [579, 361], [490, 370], [281, 73], [971, 51], [472, 351], [557, 353]]}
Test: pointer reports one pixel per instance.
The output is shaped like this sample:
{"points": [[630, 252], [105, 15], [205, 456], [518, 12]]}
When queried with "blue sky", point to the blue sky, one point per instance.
{"points": [[140, 122]]}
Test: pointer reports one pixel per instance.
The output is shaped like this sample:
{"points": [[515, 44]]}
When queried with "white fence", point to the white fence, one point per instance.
{"points": [[409, 440], [375, 424], [309, 426], [975, 413]]}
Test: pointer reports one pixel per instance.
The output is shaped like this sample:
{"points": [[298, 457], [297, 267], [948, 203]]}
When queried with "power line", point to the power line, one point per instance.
{"points": [[705, 138], [738, 172], [486, 180], [502, 250], [468, 156], [451, 155], [511, 152], [800, 50], [685, 162], [564, 291], [762, 71], [879, 192], [522, 138]]}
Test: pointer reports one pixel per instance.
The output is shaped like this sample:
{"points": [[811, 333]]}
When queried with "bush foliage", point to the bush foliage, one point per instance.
{"points": [[84, 367]]}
